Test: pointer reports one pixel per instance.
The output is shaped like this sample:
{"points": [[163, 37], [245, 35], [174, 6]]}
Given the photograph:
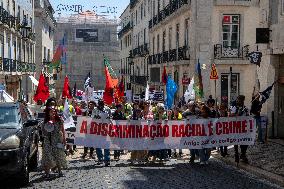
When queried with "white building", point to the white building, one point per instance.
{"points": [[45, 26], [17, 47]]}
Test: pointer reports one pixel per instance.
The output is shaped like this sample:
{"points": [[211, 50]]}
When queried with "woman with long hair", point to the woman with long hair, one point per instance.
{"points": [[53, 154]]}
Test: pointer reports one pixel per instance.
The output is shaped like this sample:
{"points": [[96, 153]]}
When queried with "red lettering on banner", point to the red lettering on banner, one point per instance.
{"points": [[112, 130], [237, 127], [187, 130], [226, 128], [84, 127], [218, 128], [175, 131], [139, 131], [152, 131], [210, 124], [93, 129], [244, 126], [181, 130], [159, 131], [104, 129], [166, 131], [251, 125], [146, 131]]}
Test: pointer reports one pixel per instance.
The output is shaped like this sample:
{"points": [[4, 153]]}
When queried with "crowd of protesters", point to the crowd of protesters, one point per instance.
{"points": [[53, 133]]}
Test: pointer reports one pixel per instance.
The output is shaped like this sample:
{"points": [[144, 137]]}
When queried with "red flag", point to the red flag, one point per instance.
{"points": [[109, 88], [42, 92], [164, 76], [121, 88], [66, 93]]}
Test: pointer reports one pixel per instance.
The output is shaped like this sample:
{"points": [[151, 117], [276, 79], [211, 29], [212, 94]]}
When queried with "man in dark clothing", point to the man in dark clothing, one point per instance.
{"points": [[256, 107], [239, 109], [89, 113], [118, 115]]}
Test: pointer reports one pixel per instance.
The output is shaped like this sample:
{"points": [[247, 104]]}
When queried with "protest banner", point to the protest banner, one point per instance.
{"points": [[70, 129], [155, 135]]}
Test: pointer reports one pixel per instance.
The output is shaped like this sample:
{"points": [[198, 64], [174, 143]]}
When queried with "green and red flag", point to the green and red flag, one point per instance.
{"points": [[111, 83]]}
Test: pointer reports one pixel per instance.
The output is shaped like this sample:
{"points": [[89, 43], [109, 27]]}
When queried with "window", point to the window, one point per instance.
{"points": [[141, 11], [225, 87], [158, 43], [170, 38], [144, 35], [177, 36], [153, 45], [186, 33], [48, 54], [164, 41], [231, 31], [155, 74], [44, 52], [1, 46]]}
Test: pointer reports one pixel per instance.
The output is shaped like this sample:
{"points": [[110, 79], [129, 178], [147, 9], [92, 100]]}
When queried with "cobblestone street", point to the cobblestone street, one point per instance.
{"points": [[173, 174]]}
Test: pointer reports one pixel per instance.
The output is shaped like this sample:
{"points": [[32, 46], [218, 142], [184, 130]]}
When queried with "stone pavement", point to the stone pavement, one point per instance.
{"points": [[172, 174], [266, 160]]}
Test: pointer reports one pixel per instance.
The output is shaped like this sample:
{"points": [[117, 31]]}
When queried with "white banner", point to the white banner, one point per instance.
{"points": [[154, 135]]}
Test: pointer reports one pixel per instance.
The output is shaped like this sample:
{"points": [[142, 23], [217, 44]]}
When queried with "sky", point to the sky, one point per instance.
{"points": [[110, 8]]}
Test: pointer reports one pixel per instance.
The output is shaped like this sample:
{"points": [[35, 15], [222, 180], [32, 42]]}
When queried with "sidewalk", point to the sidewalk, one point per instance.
{"points": [[266, 160]]}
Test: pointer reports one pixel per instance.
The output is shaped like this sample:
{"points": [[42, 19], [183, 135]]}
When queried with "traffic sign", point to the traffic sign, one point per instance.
{"points": [[214, 73]]}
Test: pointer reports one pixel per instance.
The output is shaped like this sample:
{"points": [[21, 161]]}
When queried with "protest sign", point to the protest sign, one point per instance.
{"points": [[155, 135], [70, 129]]}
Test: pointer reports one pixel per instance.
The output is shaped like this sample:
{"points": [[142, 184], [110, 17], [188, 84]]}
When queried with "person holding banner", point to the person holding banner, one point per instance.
{"points": [[89, 113], [204, 153], [104, 113], [118, 115], [160, 115], [53, 154], [189, 114], [176, 115], [223, 112], [239, 109]]}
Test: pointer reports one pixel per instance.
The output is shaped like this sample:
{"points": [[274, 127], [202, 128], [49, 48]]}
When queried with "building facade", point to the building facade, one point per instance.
{"points": [[17, 47], [89, 38], [169, 43], [125, 40], [45, 26]]}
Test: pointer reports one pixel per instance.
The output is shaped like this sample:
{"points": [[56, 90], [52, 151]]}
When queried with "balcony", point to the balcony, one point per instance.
{"points": [[139, 80], [182, 53], [165, 56], [10, 65], [236, 2], [125, 29], [170, 9], [140, 51], [172, 55], [221, 52], [133, 3]]}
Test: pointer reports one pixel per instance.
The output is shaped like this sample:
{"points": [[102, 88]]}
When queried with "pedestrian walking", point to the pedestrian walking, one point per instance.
{"points": [[89, 113], [223, 112], [104, 113], [118, 115], [53, 154]]}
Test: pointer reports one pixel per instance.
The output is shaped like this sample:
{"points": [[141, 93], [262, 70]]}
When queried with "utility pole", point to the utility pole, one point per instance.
{"points": [[229, 86]]}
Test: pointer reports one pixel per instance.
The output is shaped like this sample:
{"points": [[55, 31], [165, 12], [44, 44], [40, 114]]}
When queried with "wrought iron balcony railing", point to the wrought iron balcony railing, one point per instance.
{"points": [[125, 29], [229, 52], [10, 65], [140, 80], [182, 53], [171, 8]]}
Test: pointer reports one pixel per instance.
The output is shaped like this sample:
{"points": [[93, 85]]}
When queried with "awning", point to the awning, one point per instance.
{"points": [[5, 97], [34, 81]]}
